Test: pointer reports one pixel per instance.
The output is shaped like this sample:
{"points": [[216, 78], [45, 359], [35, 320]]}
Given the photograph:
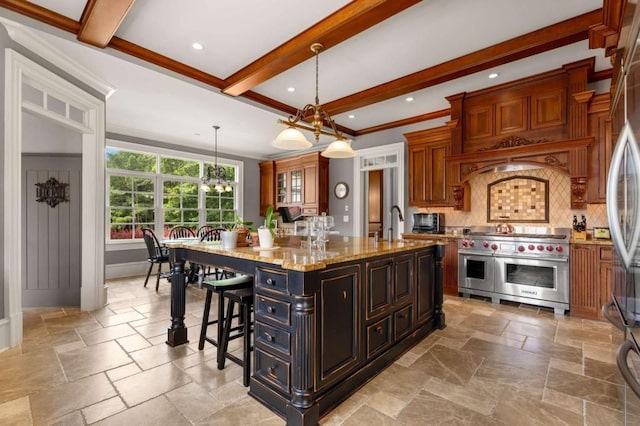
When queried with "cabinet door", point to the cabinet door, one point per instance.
{"points": [[267, 186], [296, 187], [379, 282], [450, 266], [339, 338], [437, 182], [585, 294], [417, 175], [282, 188], [606, 277], [310, 194], [425, 285], [403, 279]]}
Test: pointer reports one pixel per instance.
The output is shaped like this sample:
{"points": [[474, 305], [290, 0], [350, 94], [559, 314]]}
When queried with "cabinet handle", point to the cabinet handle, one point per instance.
{"points": [[379, 330], [344, 294], [272, 371], [271, 281], [268, 337], [271, 309]]}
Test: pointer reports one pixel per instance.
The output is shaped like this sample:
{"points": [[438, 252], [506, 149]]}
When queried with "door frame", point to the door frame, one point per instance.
{"points": [[19, 69], [397, 149]]}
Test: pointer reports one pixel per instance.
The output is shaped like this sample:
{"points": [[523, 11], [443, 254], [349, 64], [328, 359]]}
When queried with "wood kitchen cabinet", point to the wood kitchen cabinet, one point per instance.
{"points": [[450, 267], [301, 181], [428, 181], [591, 278], [267, 185], [602, 148]]}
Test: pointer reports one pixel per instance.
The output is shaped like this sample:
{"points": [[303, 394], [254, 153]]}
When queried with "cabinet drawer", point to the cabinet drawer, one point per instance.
{"points": [[402, 322], [605, 253], [273, 309], [272, 337], [309, 210], [272, 280], [378, 336], [273, 370]]}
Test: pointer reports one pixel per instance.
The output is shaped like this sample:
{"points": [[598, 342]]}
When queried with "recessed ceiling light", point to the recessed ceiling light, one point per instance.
{"points": [[409, 99], [352, 116], [493, 75], [197, 134], [291, 89], [197, 46]]}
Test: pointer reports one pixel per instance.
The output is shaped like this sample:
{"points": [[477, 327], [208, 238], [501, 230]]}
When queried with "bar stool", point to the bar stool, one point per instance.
{"points": [[220, 287], [244, 299]]}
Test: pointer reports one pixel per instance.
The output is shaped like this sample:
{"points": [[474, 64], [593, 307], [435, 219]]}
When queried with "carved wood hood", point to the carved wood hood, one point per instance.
{"points": [[540, 120]]}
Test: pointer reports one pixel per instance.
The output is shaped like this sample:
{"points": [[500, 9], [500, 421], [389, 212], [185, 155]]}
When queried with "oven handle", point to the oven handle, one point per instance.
{"points": [[475, 253], [621, 360], [542, 259]]}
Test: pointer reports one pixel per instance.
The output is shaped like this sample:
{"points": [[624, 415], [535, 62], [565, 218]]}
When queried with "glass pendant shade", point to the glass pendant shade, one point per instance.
{"points": [[205, 188], [339, 149], [291, 138]]}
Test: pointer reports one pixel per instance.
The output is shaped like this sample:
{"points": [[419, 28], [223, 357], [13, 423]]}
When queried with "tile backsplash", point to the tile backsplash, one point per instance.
{"points": [[560, 212]]}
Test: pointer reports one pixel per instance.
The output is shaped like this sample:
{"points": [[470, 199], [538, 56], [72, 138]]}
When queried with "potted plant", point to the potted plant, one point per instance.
{"points": [[267, 232], [253, 234]]}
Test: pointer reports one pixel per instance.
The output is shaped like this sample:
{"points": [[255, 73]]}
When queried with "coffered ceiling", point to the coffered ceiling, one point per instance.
{"points": [[377, 54]]}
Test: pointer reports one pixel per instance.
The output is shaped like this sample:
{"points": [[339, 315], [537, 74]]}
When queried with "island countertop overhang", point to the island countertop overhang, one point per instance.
{"points": [[288, 254]]}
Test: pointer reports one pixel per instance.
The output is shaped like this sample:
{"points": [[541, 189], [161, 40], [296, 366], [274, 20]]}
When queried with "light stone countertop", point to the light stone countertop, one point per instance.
{"points": [[290, 255]]}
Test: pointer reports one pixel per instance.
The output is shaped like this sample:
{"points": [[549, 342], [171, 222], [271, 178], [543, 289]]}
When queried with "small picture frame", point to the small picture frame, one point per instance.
{"points": [[601, 234]]}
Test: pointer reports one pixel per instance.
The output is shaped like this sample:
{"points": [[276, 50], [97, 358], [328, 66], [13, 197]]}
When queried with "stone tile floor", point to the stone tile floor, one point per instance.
{"points": [[505, 364]]}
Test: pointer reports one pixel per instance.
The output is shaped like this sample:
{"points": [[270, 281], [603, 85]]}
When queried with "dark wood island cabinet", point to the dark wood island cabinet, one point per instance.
{"points": [[325, 322]]}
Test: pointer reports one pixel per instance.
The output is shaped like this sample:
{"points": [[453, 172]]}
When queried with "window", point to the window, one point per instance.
{"points": [[161, 190]]}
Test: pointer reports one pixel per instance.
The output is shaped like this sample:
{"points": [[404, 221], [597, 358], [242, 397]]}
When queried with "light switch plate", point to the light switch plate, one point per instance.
{"points": [[345, 218]]}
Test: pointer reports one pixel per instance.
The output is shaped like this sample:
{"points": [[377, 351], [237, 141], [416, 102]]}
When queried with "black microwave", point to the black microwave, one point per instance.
{"points": [[428, 223]]}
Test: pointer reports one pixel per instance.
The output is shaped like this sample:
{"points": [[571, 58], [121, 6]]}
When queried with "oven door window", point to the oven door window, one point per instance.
{"points": [[476, 269], [537, 276]]}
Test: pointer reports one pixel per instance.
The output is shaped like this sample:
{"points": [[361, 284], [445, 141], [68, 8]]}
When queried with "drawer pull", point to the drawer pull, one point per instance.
{"points": [[271, 281], [269, 337], [344, 294], [379, 330], [272, 371], [271, 309]]}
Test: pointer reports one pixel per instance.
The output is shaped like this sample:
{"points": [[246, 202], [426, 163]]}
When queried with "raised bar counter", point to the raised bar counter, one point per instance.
{"points": [[325, 321]]}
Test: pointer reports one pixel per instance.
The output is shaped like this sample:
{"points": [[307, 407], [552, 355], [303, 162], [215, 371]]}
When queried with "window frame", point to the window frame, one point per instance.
{"points": [[159, 179]]}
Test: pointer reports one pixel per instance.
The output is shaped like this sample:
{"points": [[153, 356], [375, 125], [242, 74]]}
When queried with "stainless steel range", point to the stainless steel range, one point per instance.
{"points": [[528, 265]]}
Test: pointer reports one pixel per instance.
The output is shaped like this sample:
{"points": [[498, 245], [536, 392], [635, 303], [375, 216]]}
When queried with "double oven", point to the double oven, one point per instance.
{"points": [[528, 267]]}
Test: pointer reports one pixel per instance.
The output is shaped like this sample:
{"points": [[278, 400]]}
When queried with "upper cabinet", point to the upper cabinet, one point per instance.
{"points": [[301, 181], [428, 182]]}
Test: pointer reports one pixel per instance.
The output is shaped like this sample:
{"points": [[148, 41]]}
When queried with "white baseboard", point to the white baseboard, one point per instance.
{"points": [[131, 269], [5, 337]]}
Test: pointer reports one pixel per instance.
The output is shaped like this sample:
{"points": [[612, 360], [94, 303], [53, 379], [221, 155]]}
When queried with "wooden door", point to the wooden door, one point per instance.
{"points": [[375, 206], [51, 235]]}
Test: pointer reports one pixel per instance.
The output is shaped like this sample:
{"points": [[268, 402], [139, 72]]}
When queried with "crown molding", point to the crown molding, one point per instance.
{"points": [[27, 38]]}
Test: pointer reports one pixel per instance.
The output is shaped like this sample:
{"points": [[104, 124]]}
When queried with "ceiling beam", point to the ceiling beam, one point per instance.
{"points": [[100, 19], [346, 22], [41, 14], [545, 39], [405, 121]]}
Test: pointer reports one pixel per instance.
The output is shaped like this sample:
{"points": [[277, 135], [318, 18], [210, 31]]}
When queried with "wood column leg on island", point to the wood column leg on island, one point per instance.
{"points": [[177, 333], [439, 288], [303, 409]]}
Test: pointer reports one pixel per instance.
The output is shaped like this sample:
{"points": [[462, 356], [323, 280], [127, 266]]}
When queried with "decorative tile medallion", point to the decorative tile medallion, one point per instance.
{"points": [[518, 199]]}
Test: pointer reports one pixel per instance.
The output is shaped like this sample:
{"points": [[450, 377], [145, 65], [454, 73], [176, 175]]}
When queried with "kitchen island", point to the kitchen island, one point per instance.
{"points": [[325, 321]]}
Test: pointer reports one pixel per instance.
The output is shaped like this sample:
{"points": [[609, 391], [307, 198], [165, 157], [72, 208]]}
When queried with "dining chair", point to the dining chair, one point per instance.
{"points": [[181, 231], [211, 234], [203, 230], [157, 255]]}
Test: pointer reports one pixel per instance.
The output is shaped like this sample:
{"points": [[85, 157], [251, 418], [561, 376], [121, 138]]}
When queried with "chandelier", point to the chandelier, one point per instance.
{"points": [[215, 173], [292, 138]]}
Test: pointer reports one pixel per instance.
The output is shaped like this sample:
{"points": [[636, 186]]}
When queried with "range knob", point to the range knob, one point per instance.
{"points": [[549, 248], [471, 244], [494, 247], [531, 247], [464, 244], [540, 248], [485, 244], [521, 248], [559, 249]]}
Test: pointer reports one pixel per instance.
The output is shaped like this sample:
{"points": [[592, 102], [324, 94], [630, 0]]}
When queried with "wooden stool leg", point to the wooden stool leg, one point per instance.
{"points": [[224, 344], [205, 319], [221, 324]]}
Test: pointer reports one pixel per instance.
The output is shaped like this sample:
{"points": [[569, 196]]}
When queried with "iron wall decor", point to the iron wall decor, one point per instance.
{"points": [[51, 192]]}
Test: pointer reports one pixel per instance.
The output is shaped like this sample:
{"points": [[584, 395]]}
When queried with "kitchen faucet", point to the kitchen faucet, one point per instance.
{"points": [[400, 218]]}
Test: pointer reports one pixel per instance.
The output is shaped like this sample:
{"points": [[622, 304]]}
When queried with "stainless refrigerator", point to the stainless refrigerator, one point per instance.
{"points": [[623, 212]]}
